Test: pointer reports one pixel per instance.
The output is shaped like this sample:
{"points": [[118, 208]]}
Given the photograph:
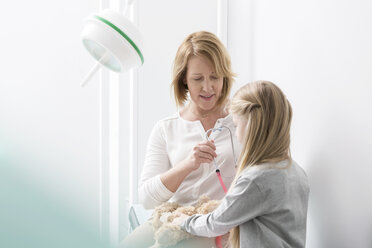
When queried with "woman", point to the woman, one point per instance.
{"points": [[179, 163]]}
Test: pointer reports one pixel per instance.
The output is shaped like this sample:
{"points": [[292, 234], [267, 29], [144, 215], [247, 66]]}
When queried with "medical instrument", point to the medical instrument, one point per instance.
{"points": [[218, 239], [113, 41], [214, 160]]}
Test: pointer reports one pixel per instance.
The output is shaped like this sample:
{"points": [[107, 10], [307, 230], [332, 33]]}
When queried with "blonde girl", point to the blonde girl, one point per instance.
{"points": [[267, 203]]}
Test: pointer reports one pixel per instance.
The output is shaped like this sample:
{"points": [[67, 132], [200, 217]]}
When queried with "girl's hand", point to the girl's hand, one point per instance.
{"points": [[201, 153], [180, 218]]}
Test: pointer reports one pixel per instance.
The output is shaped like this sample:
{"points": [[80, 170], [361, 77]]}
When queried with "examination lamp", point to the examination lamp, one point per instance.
{"points": [[113, 41]]}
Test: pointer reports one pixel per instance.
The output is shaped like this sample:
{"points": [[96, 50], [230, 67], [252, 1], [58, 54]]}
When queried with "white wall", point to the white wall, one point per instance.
{"points": [[319, 52], [49, 125]]}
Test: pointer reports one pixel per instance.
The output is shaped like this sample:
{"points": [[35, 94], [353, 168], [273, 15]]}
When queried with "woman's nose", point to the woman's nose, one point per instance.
{"points": [[207, 85]]}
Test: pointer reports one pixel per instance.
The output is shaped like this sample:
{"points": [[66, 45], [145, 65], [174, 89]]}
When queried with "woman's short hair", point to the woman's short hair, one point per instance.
{"points": [[208, 45]]}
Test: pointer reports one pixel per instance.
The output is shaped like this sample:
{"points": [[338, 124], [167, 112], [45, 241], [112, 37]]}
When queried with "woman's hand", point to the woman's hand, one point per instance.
{"points": [[201, 153], [204, 152]]}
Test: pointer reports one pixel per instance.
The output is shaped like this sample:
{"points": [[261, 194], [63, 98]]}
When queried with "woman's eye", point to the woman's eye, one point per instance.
{"points": [[197, 79], [214, 78]]}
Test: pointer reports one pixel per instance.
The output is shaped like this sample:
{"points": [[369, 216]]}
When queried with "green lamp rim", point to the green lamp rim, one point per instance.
{"points": [[122, 34]]}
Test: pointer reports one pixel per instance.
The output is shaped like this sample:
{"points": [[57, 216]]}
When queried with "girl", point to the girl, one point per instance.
{"points": [[267, 204]]}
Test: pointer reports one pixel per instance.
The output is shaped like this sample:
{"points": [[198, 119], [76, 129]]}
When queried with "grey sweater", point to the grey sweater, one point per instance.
{"points": [[268, 203]]}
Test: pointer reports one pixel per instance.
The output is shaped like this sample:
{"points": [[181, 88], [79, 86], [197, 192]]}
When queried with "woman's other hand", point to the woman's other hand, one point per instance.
{"points": [[203, 152]]}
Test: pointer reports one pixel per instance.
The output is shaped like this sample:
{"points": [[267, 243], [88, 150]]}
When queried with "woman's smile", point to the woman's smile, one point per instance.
{"points": [[207, 97]]}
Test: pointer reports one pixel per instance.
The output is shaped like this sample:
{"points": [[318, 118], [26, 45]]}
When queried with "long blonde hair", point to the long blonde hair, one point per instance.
{"points": [[267, 134], [208, 45]]}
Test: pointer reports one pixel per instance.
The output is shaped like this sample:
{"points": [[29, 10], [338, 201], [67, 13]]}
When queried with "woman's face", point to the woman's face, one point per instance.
{"points": [[204, 85], [240, 123]]}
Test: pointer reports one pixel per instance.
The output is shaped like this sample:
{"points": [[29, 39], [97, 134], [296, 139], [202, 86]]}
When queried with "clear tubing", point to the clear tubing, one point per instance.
{"points": [[214, 160], [231, 140]]}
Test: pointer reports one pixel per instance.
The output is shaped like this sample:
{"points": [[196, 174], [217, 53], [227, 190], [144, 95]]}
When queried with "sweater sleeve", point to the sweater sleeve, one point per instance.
{"points": [[242, 204], [152, 191]]}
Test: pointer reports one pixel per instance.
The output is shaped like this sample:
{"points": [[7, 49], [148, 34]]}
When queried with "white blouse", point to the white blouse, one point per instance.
{"points": [[170, 142]]}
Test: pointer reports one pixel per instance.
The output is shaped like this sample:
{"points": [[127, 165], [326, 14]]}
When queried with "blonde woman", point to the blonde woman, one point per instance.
{"points": [[267, 204], [178, 165]]}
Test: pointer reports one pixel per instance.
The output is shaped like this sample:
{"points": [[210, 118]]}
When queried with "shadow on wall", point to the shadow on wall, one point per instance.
{"points": [[340, 206], [33, 217]]}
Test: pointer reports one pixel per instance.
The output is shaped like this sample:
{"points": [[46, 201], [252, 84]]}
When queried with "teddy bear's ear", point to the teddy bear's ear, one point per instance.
{"points": [[202, 199], [167, 207], [208, 207]]}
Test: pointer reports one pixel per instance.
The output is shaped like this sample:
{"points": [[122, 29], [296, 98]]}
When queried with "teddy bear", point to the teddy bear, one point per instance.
{"points": [[167, 217]]}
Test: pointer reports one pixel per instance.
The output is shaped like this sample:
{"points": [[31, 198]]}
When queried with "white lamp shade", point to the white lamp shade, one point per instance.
{"points": [[113, 41]]}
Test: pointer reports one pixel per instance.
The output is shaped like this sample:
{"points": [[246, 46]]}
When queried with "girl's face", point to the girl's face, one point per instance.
{"points": [[204, 85], [240, 123]]}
